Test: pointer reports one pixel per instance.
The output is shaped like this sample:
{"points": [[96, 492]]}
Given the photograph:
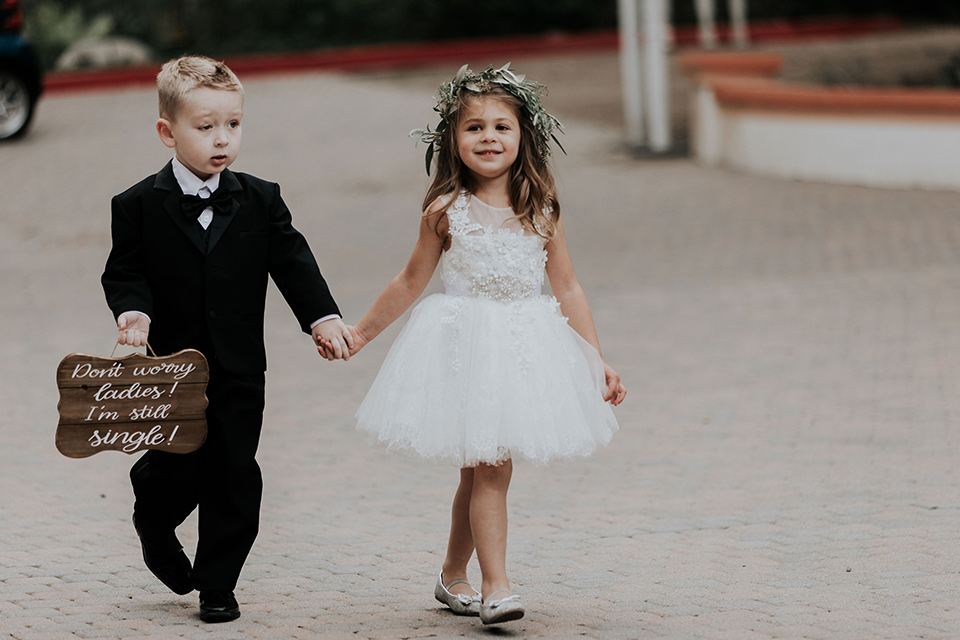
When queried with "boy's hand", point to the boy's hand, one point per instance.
{"points": [[132, 329], [333, 339]]}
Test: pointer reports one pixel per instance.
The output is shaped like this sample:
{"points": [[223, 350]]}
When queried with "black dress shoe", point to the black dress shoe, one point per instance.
{"points": [[163, 554], [218, 606]]}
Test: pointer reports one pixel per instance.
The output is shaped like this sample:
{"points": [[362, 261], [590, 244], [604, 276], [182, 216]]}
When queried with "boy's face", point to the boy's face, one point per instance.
{"points": [[206, 131]]}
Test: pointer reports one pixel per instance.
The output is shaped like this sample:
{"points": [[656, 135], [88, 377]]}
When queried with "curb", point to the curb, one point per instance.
{"points": [[393, 57]]}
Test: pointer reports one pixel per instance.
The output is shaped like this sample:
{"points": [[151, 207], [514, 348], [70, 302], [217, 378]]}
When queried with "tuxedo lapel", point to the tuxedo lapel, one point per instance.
{"points": [[190, 228], [220, 222], [168, 189]]}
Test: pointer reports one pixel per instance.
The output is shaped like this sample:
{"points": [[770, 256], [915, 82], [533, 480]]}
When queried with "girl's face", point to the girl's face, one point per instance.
{"points": [[488, 137]]}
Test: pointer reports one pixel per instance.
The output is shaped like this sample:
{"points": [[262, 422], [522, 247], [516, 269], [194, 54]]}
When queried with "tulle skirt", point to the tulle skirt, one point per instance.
{"points": [[473, 380]]}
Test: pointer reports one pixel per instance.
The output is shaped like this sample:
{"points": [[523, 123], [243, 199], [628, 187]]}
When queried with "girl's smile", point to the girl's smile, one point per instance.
{"points": [[488, 138]]}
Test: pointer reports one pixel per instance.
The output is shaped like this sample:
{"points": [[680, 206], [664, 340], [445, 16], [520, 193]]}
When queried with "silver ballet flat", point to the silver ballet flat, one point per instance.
{"points": [[502, 610], [461, 604]]}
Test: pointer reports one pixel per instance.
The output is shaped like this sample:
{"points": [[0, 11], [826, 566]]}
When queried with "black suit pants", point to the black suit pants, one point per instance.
{"points": [[222, 479]]}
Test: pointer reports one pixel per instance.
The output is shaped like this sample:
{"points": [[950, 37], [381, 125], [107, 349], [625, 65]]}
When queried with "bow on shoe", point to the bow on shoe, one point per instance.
{"points": [[497, 603], [502, 610]]}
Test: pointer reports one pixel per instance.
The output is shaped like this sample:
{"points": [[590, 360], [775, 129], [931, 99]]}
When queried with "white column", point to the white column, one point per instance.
{"points": [[628, 19], [707, 127], [655, 74], [738, 22], [707, 27]]}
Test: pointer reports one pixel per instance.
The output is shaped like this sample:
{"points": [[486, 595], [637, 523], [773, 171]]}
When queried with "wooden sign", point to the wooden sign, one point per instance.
{"points": [[132, 403]]}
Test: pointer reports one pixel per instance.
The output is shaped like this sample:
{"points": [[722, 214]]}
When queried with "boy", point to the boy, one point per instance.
{"points": [[192, 248]]}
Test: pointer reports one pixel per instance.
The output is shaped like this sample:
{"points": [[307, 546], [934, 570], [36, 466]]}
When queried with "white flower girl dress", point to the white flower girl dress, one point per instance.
{"points": [[489, 369]]}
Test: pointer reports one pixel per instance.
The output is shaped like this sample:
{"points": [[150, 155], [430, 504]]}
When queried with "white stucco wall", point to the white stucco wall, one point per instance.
{"points": [[890, 151]]}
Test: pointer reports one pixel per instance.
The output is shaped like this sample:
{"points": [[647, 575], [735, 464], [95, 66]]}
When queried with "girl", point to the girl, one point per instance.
{"points": [[490, 369]]}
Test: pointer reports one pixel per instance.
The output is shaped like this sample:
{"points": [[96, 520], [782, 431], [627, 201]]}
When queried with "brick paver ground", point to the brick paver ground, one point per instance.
{"points": [[788, 464]]}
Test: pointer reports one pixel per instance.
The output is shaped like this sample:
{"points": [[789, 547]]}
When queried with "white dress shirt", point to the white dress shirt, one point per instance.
{"points": [[191, 185]]}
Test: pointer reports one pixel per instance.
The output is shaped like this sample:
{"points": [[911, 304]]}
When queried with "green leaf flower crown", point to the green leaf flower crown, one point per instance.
{"points": [[527, 91]]}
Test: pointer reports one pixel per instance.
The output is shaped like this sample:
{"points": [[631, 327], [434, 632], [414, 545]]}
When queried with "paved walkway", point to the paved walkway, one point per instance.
{"points": [[788, 464]]}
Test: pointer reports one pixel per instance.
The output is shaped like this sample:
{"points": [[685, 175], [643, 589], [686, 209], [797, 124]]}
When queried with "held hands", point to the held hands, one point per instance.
{"points": [[333, 339], [357, 343], [616, 392], [132, 329]]}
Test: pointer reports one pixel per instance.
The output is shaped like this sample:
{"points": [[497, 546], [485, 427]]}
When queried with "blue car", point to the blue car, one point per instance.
{"points": [[21, 77]]}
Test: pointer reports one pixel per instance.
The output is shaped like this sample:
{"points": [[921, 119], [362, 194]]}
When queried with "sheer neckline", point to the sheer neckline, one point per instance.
{"points": [[490, 206]]}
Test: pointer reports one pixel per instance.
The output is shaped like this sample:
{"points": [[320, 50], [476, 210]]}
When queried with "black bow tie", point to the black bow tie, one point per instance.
{"points": [[193, 206]]}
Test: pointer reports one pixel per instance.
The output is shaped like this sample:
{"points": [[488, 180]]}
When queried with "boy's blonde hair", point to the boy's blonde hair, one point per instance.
{"points": [[180, 76]]}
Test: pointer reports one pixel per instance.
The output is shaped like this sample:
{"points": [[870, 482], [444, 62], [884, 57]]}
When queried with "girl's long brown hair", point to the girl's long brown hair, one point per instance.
{"points": [[532, 190]]}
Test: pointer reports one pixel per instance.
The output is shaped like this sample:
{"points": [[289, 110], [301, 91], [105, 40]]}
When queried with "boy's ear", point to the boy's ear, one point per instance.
{"points": [[165, 131]]}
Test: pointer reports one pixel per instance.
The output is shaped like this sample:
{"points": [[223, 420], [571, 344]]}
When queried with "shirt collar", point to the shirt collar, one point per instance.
{"points": [[189, 183]]}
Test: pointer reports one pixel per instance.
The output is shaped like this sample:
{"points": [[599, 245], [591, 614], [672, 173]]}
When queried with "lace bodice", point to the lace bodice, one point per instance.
{"points": [[491, 255]]}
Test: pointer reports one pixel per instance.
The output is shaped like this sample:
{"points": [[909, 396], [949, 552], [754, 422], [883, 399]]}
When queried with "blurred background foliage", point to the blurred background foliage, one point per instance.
{"points": [[229, 27]]}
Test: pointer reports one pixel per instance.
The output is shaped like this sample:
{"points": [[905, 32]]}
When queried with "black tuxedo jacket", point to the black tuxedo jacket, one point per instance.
{"points": [[211, 299]]}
